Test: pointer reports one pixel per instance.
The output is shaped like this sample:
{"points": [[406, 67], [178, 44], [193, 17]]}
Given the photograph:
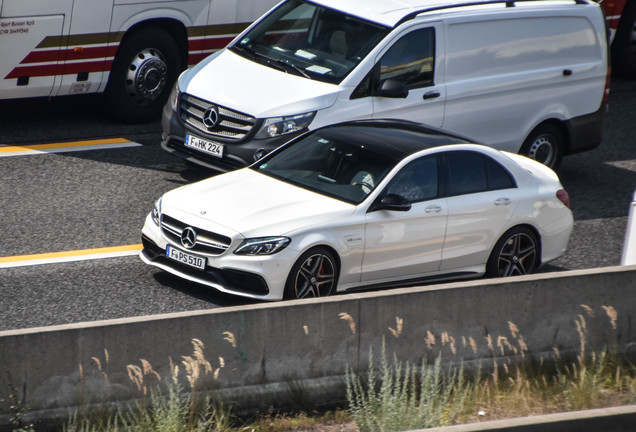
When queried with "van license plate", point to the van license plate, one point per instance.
{"points": [[185, 258], [205, 146]]}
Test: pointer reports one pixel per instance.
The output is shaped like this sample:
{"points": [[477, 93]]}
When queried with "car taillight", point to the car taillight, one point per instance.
{"points": [[563, 196]]}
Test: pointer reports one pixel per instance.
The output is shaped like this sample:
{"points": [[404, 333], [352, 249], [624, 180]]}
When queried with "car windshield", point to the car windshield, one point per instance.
{"points": [[311, 41], [330, 165]]}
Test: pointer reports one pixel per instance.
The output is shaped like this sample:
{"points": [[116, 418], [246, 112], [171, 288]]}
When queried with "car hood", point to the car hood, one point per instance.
{"points": [[237, 83], [251, 204]]}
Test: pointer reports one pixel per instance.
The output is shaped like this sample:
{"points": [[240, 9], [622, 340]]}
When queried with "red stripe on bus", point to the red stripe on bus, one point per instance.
{"points": [[67, 69], [196, 58], [209, 43], [69, 54]]}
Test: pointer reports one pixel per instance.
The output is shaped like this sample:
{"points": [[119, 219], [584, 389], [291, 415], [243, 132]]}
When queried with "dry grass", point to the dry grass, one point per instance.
{"points": [[522, 388]]}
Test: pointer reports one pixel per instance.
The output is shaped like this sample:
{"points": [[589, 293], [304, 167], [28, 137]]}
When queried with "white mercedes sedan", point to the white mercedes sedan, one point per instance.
{"points": [[361, 205]]}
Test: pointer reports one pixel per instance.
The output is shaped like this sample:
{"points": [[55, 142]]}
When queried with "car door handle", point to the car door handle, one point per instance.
{"points": [[567, 72], [502, 201], [431, 95], [433, 209]]}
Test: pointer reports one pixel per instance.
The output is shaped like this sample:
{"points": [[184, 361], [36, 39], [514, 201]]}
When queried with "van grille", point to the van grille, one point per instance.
{"points": [[207, 242], [228, 125]]}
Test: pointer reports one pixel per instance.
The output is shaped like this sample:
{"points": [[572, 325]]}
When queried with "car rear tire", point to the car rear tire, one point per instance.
{"points": [[515, 253], [545, 145], [315, 274], [144, 70]]}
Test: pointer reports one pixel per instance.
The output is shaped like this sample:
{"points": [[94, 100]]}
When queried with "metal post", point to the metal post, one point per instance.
{"points": [[629, 247]]}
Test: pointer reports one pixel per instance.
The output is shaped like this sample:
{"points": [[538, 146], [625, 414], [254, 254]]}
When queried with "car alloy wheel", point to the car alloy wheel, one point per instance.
{"points": [[313, 275], [516, 253]]}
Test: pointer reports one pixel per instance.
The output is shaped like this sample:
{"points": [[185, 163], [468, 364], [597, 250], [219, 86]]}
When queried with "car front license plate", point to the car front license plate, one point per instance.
{"points": [[205, 146], [185, 258]]}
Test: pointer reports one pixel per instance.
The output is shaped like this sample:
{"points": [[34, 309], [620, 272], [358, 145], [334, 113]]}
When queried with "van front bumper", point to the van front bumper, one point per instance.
{"points": [[236, 154], [586, 131]]}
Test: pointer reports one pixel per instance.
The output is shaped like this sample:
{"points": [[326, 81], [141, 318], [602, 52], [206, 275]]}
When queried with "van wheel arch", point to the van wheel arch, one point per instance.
{"points": [[148, 61], [546, 143]]}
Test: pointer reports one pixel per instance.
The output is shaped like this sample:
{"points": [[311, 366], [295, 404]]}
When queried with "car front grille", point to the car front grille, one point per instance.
{"points": [[229, 126], [207, 242]]}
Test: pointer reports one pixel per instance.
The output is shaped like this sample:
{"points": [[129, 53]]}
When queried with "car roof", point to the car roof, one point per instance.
{"points": [[394, 139]]}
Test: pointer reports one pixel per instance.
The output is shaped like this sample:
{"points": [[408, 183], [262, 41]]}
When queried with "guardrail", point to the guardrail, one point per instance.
{"points": [[268, 354]]}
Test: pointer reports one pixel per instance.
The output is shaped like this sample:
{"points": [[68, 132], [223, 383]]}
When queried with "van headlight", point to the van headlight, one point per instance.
{"points": [[174, 96], [276, 126], [262, 246], [156, 212]]}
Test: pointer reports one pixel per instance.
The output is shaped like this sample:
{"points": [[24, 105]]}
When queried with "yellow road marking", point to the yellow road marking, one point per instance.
{"points": [[63, 145], [73, 255], [35, 149]]}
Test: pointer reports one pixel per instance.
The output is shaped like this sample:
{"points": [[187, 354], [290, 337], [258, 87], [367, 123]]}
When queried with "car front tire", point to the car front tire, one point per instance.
{"points": [[315, 274]]}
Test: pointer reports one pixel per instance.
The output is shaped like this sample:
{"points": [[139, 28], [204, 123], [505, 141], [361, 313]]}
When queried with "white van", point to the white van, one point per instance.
{"points": [[523, 76]]}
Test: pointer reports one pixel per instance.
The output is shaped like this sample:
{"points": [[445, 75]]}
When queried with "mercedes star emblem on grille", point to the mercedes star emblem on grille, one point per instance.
{"points": [[188, 237], [210, 117]]}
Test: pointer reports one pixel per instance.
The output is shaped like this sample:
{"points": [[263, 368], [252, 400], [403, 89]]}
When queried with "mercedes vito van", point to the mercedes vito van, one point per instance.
{"points": [[528, 77]]}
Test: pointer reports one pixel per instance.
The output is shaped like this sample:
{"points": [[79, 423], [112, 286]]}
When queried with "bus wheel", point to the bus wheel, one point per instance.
{"points": [[144, 70]]}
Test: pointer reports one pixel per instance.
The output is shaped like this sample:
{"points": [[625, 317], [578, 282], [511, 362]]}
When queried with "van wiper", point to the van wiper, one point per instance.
{"points": [[279, 64], [291, 67], [283, 65], [244, 51]]}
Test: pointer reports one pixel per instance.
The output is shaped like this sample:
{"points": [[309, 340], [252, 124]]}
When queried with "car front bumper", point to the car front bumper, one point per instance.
{"points": [[259, 277]]}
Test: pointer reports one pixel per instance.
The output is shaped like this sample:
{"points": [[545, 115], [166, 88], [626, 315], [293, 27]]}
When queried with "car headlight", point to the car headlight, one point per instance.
{"points": [[262, 246], [174, 96], [276, 126], [156, 212]]}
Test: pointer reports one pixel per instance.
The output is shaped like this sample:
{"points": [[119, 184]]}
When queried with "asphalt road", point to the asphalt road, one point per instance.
{"points": [[99, 198]]}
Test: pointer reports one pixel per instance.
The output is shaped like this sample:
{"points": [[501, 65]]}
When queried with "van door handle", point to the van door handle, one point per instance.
{"points": [[431, 95], [567, 72], [433, 209], [502, 201]]}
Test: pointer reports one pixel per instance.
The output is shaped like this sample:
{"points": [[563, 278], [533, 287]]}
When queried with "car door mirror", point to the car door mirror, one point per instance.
{"points": [[392, 88], [391, 202]]}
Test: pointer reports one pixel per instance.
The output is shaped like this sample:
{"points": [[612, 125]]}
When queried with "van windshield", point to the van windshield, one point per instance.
{"points": [[309, 40]]}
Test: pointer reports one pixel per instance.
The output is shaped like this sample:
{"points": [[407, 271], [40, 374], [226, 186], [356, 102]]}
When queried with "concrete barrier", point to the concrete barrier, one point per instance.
{"points": [[277, 354], [614, 419]]}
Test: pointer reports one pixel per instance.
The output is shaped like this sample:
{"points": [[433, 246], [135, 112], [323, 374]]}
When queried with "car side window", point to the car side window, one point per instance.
{"points": [[411, 59], [470, 172], [498, 176], [417, 181]]}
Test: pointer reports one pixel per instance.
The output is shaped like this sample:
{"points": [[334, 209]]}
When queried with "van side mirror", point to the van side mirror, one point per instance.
{"points": [[392, 88], [391, 202]]}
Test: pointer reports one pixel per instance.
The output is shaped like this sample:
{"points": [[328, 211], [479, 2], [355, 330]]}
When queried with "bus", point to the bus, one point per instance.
{"points": [[130, 50]]}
